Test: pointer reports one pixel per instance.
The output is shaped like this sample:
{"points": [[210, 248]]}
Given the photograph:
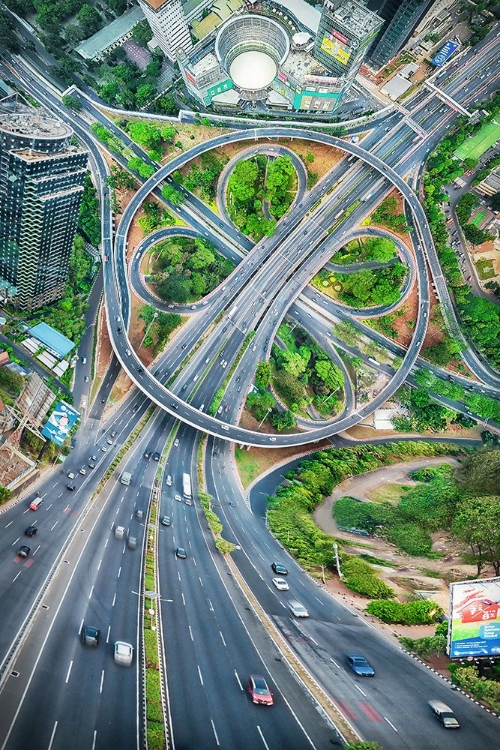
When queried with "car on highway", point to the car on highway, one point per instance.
{"points": [[156, 456], [109, 441], [35, 503], [113, 433], [279, 569], [93, 458], [297, 609], [86, 379], [360, 665], [181, 552], [168, 480], [123, 653], [178, 498], [259, 691], [176, 443], [89, 635], [91, 465], [71, 487], [23, 551], [444, 714], [83, 472], [30, 531], [165, 521], [188, 501], [104, 449], [281, 584], [147, 455], [71, 475]]}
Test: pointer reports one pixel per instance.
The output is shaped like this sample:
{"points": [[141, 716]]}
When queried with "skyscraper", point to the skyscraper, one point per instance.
{"points": [[41, 189], [168, 24], [346, 30], [400, 19]]}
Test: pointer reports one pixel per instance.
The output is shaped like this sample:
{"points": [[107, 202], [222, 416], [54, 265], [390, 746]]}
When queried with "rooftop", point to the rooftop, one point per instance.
{"points": [[22, 119], [205, 64], [300, 63], [52, 339], [110, 34], [304, 13], [357, 18]]}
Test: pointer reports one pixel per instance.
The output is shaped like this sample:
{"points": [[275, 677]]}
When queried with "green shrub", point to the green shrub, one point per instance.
{"points": [[368, 585], [408, 613], [411, 538]]}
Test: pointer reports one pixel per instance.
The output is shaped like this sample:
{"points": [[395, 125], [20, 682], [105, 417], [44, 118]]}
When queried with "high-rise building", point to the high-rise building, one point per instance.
{"points": [[41, 189], [346, 30], [168, 24], [400, 19]]}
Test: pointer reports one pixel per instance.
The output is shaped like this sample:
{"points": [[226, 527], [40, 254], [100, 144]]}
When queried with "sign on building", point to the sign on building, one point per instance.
{"points": [[60, 422], [444, 53], [474, 624]]}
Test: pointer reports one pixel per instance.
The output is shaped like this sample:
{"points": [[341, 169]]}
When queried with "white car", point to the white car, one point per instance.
{"points": [[83, 472], [281, 584], [124, 653]]}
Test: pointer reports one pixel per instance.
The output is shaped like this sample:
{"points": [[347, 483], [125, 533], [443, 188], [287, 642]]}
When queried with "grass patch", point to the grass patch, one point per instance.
{"points": [[479, 143], [430, 573], [485, 269], [376, 560], [249, 466], [389, 493]]}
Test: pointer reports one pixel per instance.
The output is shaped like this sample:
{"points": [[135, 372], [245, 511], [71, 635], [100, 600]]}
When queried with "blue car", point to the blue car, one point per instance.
{"points": [[360, 665]]}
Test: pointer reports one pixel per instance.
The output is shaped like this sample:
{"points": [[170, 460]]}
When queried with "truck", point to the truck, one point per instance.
{"points": [[126, 477], [367, 197]]}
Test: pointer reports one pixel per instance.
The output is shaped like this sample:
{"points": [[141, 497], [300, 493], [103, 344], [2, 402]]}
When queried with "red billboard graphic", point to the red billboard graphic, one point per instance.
{"points": [[190, 78], [282, 77], [339, 36]]}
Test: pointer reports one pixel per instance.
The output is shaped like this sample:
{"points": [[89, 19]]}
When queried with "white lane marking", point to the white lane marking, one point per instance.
{"points": [[194, 560], [319, 600], [15, 541], [69, 671], [199, 673], [262, 737], [102, 681], [238, 679], [52, 736], [191, 633], [34, 553], [106, 543], [358, 688], [99, 566], [80, 628], [183, 600], [223, 641], [9, 524], [94, 741], [54, 526], [16, 577], [215, 733], [108, 633], [178, 575], [119, 571], [201, 582], [210, 606], [390, 723], [114, 600], [91, 592], [334, 662]]}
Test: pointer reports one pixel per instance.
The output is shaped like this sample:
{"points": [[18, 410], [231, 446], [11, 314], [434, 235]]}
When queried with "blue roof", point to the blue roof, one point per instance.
{"points": [[52, 339]]}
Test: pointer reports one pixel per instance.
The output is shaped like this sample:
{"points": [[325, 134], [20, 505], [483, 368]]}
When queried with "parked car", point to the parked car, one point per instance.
{"points": [[360, 665], [259, 691]]}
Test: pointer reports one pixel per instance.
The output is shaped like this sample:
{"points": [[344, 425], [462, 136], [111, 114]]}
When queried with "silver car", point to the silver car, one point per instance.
{"points": [[124, 653]]}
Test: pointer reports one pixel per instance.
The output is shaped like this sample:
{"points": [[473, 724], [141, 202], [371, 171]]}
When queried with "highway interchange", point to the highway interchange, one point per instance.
{"points": [[57, 693]]}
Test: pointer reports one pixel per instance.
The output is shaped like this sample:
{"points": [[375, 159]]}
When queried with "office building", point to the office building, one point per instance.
{"points": [[346, 30], [401, 17], [169, 25], [41, 189]]}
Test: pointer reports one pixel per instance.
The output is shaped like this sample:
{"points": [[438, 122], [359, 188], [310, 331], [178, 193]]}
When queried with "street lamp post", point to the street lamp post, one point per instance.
{"points": [[264, 417], [148, 327]]}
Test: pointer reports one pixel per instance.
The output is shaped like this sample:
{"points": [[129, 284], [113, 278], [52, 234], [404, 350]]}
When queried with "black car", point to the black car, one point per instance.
{"points": [[156, 456], [24, 551], [90, 635], [165, 521], [279, 569], [113, 433], [30, 531], [70, 487], [147, 455], [174, 406]]}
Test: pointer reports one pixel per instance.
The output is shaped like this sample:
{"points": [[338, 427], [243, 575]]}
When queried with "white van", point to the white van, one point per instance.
{"points": [[169, 480]]}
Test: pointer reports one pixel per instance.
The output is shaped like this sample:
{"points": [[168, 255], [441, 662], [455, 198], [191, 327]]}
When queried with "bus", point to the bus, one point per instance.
{"points": [[186, 486]]}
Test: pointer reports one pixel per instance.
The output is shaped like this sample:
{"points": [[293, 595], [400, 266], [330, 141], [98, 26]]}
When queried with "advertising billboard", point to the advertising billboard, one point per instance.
{"points": [[444, 53], [337, 48], [60, 422], [474, 624]]}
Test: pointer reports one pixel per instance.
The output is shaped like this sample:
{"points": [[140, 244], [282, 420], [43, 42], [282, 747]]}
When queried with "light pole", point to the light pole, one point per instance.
{"points": [[148, 327], [264, 417]]}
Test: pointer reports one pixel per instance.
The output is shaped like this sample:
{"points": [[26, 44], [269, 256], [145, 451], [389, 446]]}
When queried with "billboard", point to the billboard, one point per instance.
{"points": [[337, 46], [444, 53], [60, 422], [474, 624]]}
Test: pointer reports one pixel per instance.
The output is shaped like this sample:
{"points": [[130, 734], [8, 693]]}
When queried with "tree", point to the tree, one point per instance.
{"points": [[172, 195], [142, 33], [71, 102], [480, 472], [329, 374], [289, 386], [144, 94], [89, 19], [292, 362], [8, 39], [202, 258], [260, 403], [283, 420], [120, 179], [477, 523], [263, 375]]}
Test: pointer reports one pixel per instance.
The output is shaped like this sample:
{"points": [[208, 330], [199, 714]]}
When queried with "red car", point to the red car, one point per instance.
{"points": [[259, 692]]}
